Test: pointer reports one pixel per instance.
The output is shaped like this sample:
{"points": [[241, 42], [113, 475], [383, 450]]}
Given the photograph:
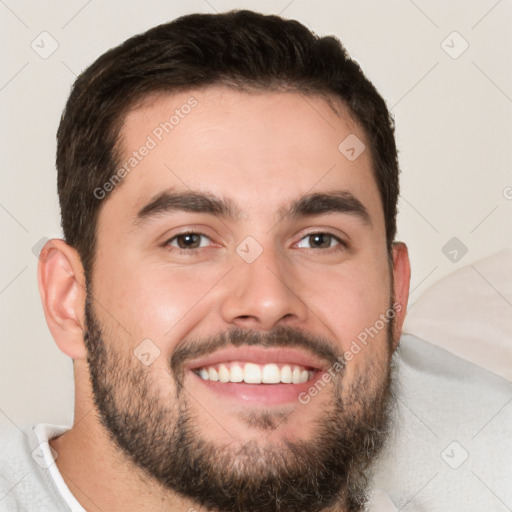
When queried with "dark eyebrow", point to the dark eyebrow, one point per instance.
{"points": [[340, 201], [198, 202], [202, 202]]}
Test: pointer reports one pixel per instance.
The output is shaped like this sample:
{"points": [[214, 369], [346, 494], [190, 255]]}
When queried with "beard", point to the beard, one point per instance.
{"points": [[329, 472]]}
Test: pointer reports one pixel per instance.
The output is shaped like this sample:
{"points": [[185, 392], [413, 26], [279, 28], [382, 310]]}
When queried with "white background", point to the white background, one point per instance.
{"points": [[454, 133]]}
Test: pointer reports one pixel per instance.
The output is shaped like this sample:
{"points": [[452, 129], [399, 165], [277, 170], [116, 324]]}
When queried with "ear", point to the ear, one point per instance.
{"points": [[401, 280], [62, 287]]}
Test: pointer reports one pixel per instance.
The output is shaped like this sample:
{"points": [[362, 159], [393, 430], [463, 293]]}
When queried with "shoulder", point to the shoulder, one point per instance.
{"points": [[452, 438], [25, 483]]}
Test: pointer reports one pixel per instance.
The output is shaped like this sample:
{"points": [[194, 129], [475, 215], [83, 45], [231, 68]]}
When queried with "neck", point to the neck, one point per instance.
{"points": [[102, 478]]}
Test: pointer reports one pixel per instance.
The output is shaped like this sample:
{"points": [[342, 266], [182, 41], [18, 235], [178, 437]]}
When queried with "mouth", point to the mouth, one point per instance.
{"points": [[257, 375]]}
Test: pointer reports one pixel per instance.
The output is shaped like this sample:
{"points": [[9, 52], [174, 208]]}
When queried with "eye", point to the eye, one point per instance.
{"points": [[320, 241], [189, 241]]}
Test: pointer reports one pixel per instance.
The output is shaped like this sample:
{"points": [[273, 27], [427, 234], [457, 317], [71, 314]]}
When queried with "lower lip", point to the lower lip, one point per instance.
{"points": [[260, 394]]}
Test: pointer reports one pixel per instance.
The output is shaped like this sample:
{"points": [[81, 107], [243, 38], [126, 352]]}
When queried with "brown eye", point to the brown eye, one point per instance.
{"points": [[188, 241], [319, 241]]}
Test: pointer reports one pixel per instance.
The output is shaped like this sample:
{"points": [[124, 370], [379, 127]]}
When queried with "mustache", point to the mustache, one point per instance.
{"points": [[279, 337]]}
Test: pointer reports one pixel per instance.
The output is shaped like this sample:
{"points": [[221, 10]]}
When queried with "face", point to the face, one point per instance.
{"points": [[239, 316]]}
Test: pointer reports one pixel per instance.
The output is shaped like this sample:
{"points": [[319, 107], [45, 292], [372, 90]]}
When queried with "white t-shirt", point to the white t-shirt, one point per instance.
{"points": [[452, 448], [30, 480]]}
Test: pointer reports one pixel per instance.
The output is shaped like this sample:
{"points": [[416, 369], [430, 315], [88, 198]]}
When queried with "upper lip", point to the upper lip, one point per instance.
{"points": [[259, 355]]}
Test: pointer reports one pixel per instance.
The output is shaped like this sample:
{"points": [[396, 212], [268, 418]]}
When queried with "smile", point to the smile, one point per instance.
{"points": [[256, 375]]}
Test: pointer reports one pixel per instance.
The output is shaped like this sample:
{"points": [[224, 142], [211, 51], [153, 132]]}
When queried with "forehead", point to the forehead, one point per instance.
{"points": [[261, 149]]}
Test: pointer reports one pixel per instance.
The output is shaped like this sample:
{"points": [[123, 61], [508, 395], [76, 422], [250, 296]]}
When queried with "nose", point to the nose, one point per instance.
{"points": [[263, 294]]}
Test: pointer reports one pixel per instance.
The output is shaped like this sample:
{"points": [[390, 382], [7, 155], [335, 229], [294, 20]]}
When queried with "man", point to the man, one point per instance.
{"points": [[228, 187]]}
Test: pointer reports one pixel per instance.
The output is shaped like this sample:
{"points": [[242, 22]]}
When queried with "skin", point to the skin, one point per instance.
{"points": [[262, 151]]}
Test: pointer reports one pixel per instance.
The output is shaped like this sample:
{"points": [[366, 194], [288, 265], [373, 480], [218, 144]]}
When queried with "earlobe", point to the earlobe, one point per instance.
{"points": [[62, 289], [401, 277]]}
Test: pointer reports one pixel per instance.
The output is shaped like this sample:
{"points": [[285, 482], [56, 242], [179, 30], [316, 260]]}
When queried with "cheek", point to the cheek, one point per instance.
{"points": [[154, 301], [353, 303]]}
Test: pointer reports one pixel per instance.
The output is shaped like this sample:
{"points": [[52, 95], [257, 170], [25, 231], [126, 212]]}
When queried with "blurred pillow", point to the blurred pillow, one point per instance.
{"points": [[469, 313]]}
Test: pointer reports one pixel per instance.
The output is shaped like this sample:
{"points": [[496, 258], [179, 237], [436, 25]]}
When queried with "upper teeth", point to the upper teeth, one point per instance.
{"points": [[251, 373]]}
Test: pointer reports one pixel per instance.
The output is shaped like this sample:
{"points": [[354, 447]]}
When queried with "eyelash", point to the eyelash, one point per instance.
{"points": [[342, 245]]}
